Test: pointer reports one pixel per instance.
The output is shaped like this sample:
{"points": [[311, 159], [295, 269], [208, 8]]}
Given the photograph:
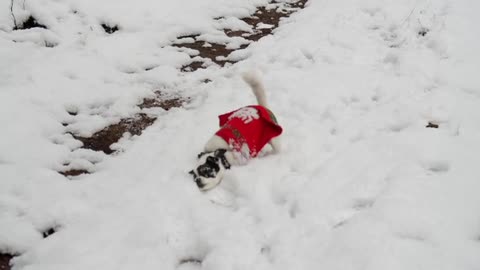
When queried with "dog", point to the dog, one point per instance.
{"points": [[243, 135]]}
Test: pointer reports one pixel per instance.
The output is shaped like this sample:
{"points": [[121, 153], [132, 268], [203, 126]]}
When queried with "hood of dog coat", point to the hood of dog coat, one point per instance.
{"points": [[248, 129]]}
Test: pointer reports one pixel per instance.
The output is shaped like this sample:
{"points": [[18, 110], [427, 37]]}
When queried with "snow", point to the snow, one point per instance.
{"points": [[361, 182]]}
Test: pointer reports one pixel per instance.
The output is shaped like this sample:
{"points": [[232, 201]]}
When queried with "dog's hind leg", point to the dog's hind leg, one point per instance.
{"points": [[276, 145]]}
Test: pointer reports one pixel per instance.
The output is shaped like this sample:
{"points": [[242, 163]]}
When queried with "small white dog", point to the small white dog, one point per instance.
{"points": [[242, 135]]}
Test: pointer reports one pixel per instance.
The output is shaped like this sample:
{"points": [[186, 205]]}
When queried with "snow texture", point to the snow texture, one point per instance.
{"points": [[362, 183]]}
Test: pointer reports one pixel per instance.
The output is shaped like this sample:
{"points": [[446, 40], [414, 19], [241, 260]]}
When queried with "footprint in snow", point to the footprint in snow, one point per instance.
{"points": [[358, 205], [221, 196], [190, 264], [363, 203], [437, 166]]}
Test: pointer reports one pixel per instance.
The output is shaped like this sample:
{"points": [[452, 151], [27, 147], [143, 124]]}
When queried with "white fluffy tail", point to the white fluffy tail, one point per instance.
{"points": [[255, 83]]}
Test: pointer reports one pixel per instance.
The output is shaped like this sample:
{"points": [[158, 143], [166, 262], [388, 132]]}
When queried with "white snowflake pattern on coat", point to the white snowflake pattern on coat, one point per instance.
{"points": [[247, 114]]}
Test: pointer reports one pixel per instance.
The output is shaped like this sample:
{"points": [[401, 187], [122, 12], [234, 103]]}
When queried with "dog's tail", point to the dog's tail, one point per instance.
{"points": [[255, 83]]}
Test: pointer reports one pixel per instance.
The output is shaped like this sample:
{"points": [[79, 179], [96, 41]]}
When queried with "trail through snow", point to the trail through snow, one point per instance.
{"points": [[362, 182]]}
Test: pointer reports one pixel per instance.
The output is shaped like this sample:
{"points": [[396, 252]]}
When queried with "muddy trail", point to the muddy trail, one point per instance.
{"points": [[4, 261], [203, 54], [5, 258], [261, 23], [101, 140]]}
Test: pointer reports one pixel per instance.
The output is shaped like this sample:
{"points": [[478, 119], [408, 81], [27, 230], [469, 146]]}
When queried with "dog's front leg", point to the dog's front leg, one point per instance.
{"points": [[235, 158], [216, 142]]}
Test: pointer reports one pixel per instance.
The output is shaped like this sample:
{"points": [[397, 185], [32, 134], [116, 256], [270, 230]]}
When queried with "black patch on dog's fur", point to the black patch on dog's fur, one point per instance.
{"points": [[202, 154], [209, 169], [220, 153]]}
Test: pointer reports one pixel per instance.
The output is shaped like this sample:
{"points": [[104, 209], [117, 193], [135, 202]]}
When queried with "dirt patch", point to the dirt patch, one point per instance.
{"points": [[190, 261], [48, 232], [72, 112], [205, 50], [264, 20], [163, 101], [237, 33], [31, 22], [74, 172], [103, 139], [110, 29], [262, 23], [194, 65], [5, 261], [298, 4], [423, 32]]}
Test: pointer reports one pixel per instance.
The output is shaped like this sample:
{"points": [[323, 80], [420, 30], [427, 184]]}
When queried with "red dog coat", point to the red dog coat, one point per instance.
{"points": [[248, 129]]}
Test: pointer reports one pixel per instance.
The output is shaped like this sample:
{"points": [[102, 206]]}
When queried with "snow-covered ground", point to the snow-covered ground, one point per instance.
{"points": [[361, 182]]}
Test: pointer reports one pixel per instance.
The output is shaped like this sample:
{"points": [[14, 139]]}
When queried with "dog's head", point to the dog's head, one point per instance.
{"points": [[210, 169]]}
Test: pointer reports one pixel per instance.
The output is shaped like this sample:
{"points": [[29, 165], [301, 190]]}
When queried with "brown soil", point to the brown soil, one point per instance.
{"points": [[423, 32], [162, 101], [31, 22], [103, 139], [74, 172], [109, 29], [72, 113], [48, 232], [271, 17], [190, 260], [209, 50], [194, 65], [299, 4], [237, 33], [5, 261], [189, 36], [431, 125]]}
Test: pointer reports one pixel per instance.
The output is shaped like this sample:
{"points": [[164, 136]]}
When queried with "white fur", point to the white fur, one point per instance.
{"points": [[257, 87]]}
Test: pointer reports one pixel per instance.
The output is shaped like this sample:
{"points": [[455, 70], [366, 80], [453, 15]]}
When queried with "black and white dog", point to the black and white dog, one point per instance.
{"points": [[242, 135]]}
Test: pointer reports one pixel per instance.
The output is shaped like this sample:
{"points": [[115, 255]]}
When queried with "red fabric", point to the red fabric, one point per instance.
{"points": [[252, 126]]}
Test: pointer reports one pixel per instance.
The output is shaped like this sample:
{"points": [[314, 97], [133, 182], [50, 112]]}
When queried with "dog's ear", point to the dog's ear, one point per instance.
{"points": [[220, 152], [192, 173], [201, 154]]}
